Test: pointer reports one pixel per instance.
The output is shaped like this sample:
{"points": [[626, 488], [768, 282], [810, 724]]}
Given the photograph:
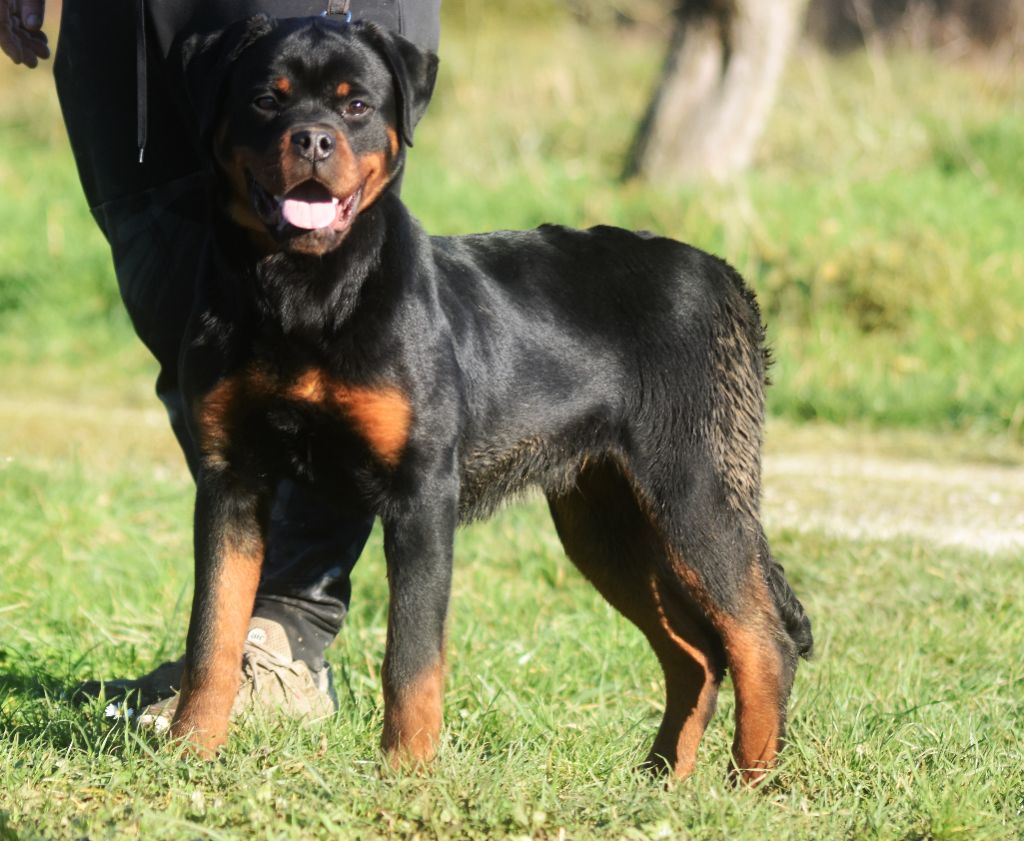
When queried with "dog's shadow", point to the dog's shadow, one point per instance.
{"points": [[40, 705], [25, 676], [30, 687]]}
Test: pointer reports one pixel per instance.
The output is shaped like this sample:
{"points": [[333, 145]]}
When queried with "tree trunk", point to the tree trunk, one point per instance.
{"points": [[716, 89]]}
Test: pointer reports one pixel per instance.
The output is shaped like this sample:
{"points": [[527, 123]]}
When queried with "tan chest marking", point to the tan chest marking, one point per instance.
{"points": [[215, 411], [381, 414], [382, 417], [213, 419], [310, 387]]}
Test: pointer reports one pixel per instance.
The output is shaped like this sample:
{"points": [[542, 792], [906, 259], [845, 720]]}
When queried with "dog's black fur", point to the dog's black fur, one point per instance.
{"points": [[425, 379]]}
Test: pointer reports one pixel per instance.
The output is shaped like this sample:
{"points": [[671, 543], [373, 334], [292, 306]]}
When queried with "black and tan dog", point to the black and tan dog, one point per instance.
{"points": [[425, 379]]}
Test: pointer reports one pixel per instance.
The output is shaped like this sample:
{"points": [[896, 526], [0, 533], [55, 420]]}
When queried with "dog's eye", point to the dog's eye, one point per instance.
{"points": [[356, 108], [265, 103]]}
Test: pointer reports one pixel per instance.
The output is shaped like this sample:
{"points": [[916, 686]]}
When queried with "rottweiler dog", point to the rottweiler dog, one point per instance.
{"points": [[426, 379]]}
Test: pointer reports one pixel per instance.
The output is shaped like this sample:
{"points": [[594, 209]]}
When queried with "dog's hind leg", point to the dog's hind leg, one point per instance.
{"points": [[722, 564], [609, 537]]}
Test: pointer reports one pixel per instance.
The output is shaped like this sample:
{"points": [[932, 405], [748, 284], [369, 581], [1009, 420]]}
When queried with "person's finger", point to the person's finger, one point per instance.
{"points": [[31, 14], [30, 55], [10, 43], [23, 49], [25, 55], [38, 43], [23, 45]]}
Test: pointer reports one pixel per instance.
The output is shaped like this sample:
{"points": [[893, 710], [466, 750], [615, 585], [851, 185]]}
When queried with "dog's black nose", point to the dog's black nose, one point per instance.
{"points": [[314, 144]]}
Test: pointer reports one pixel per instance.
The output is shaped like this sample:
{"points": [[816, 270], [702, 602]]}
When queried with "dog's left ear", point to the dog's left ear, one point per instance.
{"points": [[414, 72]]}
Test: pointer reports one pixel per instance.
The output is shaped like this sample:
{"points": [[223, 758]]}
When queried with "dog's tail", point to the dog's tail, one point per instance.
{"points": [[798, 624]]}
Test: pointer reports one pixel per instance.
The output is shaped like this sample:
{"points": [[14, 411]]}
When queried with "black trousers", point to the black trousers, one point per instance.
{"points": [[155, 216]]}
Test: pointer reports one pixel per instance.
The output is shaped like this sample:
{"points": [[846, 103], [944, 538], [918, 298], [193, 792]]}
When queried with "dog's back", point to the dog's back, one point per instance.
{"points": [[609, 340]]}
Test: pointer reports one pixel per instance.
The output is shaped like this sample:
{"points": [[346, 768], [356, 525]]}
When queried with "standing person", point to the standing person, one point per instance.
{"points": [[149, 191]]}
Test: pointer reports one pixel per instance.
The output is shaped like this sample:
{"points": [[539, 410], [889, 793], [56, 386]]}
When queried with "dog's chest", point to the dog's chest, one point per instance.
{"points": [[305, 422]]}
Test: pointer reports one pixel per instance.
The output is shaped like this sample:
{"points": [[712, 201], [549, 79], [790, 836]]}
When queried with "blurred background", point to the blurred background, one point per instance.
{"points": [[858, 160]]}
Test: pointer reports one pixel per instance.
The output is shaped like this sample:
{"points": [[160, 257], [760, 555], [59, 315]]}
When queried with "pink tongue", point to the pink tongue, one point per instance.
{"points": [[309, 214]]}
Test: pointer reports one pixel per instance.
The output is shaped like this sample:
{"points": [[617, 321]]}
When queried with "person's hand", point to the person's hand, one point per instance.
{"points": [[21, 36]]}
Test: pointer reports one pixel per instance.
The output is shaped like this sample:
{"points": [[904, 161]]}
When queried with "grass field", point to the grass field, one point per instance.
{"points": [[906, 725], [882, 231]]}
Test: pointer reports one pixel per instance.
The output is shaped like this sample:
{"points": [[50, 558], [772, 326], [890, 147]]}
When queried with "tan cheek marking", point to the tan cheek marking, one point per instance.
{"points": [[373, 170], [382, 417], [348, 175], [233, 163], [393, 141]]}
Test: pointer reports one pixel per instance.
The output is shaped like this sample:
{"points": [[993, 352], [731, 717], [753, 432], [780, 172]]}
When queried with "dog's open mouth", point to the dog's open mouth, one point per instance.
{"points": [[309, 207]]}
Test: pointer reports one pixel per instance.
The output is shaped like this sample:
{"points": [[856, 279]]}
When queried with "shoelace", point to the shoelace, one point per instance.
{"points": [[258, 660]]}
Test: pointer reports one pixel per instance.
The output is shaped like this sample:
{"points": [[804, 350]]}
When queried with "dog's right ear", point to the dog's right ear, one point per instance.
{"points": [[414, 72], [206, 60]]}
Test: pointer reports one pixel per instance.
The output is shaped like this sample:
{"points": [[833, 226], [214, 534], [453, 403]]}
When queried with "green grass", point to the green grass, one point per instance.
{"points": [[881, 229], [906, 725]]}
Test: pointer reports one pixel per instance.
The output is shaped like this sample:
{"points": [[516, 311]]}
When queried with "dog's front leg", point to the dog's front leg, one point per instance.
{"points": [[230, 523], [418, 545]]}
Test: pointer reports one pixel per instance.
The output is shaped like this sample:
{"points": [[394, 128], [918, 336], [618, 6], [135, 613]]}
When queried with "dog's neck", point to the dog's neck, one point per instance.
{"points": [[303, 296]]}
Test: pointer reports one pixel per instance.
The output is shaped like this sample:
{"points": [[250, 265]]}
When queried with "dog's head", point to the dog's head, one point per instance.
{"points": [[306, 120]]}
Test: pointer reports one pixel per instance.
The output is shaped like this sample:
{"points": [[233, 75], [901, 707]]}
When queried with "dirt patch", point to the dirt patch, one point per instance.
{"points": [[852, 494]]}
